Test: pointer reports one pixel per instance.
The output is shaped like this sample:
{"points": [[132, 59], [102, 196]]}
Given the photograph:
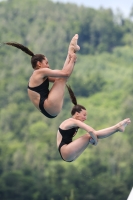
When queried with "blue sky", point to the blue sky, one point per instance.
{"points": [[123, 5]]}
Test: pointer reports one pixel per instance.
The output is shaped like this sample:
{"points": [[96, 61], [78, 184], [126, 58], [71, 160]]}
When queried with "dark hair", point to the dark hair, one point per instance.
{"points": [[76, 107], [34, 57]]}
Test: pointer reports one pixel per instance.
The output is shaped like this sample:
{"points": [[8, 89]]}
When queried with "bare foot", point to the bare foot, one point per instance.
{"points": [[122, 125], [73, 47]]}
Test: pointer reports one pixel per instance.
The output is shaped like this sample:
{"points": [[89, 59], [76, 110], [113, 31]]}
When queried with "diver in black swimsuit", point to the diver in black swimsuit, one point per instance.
{"points": [[43, 91], [49, 102], [70, 149], [67, 136]]}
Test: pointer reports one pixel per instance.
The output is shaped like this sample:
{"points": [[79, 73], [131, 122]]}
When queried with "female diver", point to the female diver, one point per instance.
{"points": [[70, 150], [49, 102]]}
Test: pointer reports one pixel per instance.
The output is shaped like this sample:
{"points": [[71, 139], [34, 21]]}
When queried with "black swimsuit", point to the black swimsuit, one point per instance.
{"points": [[67, 136], [43, 90]]}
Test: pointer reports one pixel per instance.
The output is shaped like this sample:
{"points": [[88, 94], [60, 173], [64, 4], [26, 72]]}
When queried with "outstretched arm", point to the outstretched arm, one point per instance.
{"points": [[103, 133], [64, 73], [68, 65], [87, 128]]}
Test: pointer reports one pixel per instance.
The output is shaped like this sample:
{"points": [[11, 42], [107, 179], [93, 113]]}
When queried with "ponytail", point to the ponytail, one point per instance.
{"points": [[34, 57], [21, 47], [77, 107], [72, 95]]}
